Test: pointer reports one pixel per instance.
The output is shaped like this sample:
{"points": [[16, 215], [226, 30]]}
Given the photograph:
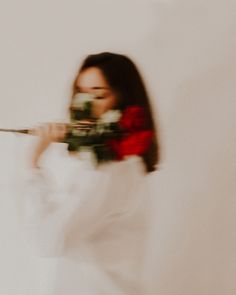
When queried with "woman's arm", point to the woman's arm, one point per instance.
{"points": [[51, 208], [43, 215]]}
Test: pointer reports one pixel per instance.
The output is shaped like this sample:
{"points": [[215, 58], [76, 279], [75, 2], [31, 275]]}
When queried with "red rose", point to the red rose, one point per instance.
{"points": [[134, 122], [136, 143], [133, 118]]}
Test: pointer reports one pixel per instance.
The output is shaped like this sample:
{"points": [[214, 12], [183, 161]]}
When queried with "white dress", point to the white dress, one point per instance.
{"points": [[93, 220]]}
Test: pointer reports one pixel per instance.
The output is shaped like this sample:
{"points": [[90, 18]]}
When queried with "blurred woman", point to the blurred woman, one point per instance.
{"points": [[96, 222]]}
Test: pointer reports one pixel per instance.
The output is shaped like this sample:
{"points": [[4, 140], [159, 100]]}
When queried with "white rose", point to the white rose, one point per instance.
{"points": [[111, 116]]}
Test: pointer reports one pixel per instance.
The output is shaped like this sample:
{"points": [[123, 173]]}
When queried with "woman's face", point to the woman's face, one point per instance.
{"points": [[92, 81]]}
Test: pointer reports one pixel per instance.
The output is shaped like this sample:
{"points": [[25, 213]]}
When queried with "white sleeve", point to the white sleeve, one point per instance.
{"points": [[51, 210], [42, 214]]}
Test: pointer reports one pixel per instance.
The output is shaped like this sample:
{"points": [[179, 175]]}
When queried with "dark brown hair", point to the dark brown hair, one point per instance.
{"points": [[126, 82]]}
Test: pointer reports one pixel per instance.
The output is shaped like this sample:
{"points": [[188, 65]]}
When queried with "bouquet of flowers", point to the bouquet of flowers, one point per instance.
{"points": [[113, 135]]}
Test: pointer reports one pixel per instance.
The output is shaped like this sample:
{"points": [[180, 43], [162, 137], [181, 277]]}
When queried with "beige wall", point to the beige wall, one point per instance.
{"points": [[186, 52]]}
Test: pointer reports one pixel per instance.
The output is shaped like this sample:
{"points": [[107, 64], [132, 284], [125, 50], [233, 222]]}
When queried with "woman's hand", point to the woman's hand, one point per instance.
{"points": [[47, 133]]}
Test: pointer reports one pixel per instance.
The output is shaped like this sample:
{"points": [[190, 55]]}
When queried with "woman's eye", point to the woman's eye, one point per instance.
{"points": [[99, 97]]}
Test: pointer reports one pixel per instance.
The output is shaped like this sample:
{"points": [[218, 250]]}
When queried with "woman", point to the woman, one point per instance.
{"points": [[96, 222]]}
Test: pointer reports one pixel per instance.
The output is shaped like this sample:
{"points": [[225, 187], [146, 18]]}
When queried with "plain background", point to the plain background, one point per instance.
{"points": [[185, 50]]}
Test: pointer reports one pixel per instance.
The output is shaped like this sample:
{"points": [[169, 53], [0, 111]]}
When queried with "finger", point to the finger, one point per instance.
{"points": [[53, 131], [44, 130], [63, 129], [57, 131]]}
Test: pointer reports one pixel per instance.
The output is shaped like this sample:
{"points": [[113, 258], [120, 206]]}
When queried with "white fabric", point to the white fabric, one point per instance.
{"points": [[93, 220]]}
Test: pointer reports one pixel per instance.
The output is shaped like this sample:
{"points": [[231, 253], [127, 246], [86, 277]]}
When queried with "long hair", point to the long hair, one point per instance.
{"points": [[126, 82]]}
